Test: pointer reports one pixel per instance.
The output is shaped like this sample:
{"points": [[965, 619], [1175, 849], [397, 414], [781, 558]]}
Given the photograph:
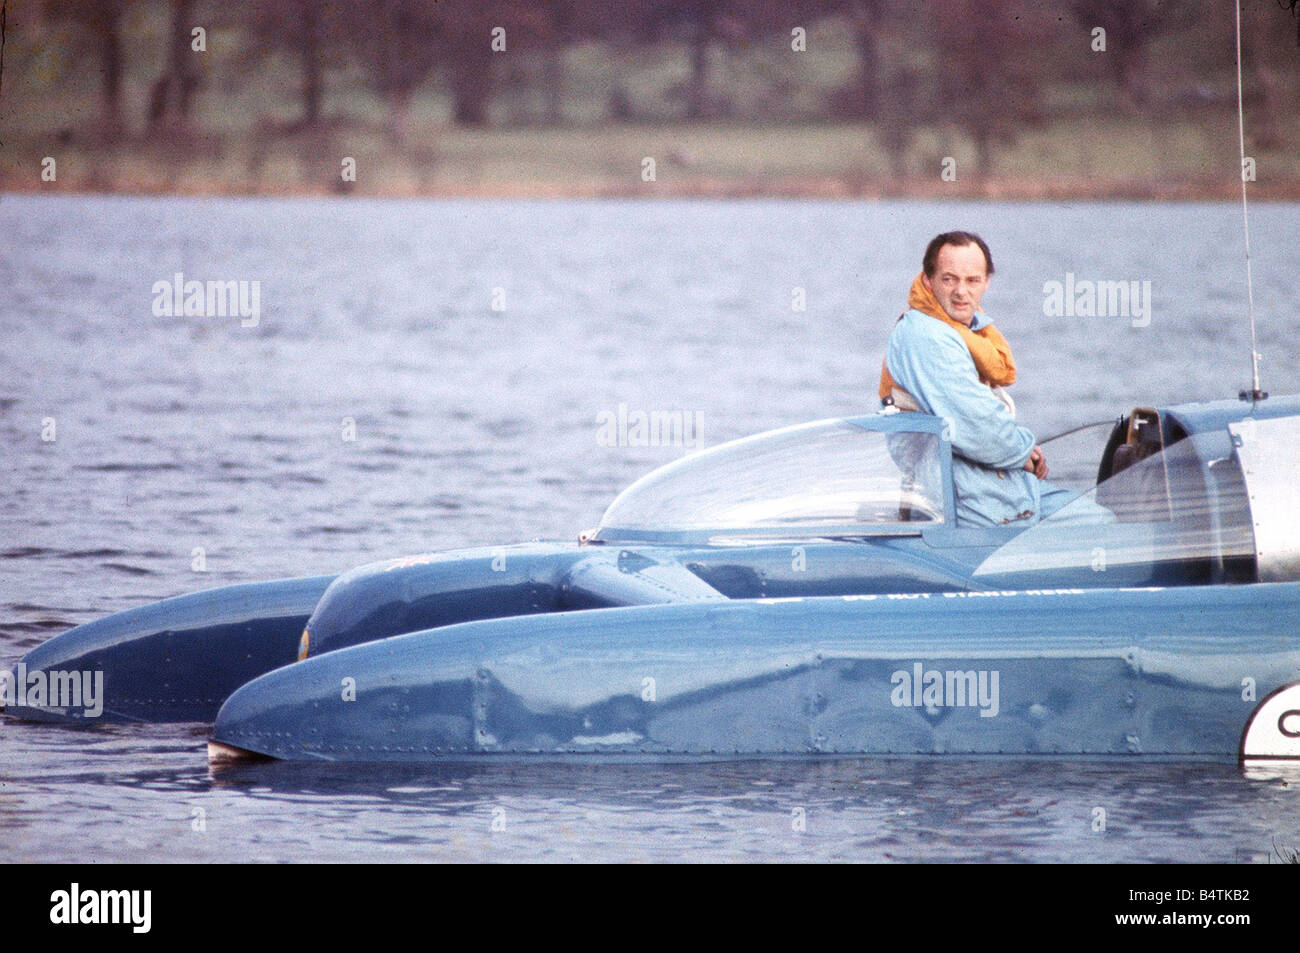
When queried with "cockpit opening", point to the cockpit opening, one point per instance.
{"points": [[1180, 506]]}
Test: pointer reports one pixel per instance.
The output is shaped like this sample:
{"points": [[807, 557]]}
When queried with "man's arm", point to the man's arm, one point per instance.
{"points": [[939, 372]]}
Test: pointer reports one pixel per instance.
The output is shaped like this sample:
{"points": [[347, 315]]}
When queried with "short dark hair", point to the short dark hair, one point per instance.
{"points": [[953, 238]]}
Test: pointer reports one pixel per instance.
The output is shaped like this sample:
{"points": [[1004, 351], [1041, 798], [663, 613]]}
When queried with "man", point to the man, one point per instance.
{"points": [[946, 358]]}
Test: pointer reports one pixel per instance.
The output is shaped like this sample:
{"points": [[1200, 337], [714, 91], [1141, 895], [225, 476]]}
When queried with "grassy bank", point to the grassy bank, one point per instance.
{"points": [[1182, 158]]}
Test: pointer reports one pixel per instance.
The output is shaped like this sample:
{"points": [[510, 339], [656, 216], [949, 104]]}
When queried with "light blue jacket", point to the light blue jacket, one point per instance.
{"points": [[930, 361]]}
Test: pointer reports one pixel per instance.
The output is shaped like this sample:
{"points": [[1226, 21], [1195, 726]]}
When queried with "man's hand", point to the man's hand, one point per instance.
{"points": [[1037, 464]]}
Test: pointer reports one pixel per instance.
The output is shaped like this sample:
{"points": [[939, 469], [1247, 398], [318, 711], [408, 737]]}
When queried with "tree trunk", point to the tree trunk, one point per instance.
{"points": [[1132, 81], [110, 57], [699, 63], [309, 58], [173, 91], [471, 85], [983, 154], [553, 79], [866, 23], [399, 110], [1254, 47], [1268, 136]]}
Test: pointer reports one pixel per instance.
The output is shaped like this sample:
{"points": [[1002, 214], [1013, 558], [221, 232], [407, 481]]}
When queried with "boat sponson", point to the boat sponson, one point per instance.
{"points": [[1110, 672], [178, 659]]}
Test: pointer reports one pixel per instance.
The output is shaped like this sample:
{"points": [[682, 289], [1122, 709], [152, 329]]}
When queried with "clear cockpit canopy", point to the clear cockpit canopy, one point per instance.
{"points": [[1183, 513], [827, 478]]}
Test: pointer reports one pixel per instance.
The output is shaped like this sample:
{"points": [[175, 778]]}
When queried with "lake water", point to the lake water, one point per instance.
{"points": [[471, 346]]}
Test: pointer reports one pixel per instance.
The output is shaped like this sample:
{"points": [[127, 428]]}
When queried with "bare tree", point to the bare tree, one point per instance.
{"points": [[469, 33], [398, 45], [1131, 26], [172, 92], [1261, 44], [863, 94], [101, 23], [313, 32], [988, 72]]}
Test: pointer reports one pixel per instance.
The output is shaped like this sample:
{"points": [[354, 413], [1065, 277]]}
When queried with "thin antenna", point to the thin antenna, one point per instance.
{"points": [[1254, 394]]}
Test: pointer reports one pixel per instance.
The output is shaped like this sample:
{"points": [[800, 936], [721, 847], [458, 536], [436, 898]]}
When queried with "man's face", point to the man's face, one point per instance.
{"points": [[960, 279]]}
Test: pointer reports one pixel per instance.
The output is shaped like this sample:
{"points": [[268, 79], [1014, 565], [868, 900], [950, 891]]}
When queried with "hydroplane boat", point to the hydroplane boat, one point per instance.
{"points": [[805, 592]]}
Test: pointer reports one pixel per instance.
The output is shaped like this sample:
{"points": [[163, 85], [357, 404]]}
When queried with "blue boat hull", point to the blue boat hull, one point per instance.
{"points": [[1134, 673], [179, 659]]}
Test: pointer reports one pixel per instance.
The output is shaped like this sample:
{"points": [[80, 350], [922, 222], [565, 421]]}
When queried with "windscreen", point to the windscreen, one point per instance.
{"points": [[829, 475]]}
